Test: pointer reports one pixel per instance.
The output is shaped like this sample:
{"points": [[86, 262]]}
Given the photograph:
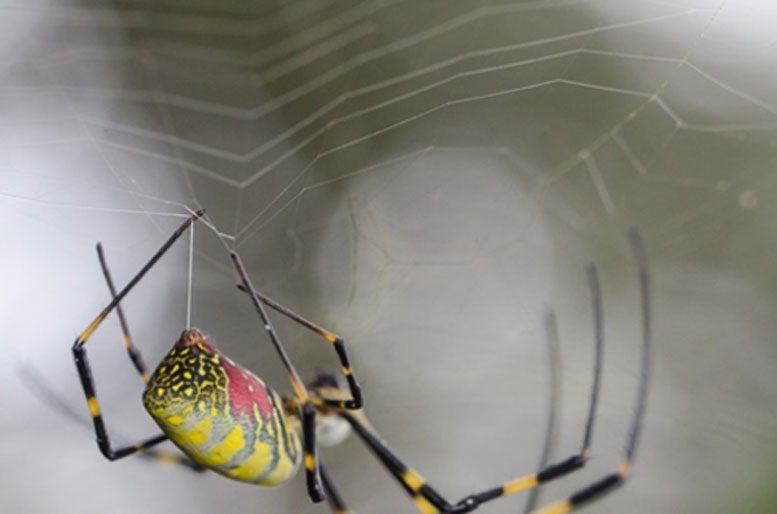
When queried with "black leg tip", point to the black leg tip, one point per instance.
{"points": [[316, 493]]}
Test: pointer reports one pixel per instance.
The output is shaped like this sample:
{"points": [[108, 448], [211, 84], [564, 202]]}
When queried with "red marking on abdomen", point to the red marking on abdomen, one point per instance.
{"points": [[247, 391]]}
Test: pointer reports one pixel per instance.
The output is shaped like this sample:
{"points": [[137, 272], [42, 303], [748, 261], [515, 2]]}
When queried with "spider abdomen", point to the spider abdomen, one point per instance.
{"points": [[221, 415]]}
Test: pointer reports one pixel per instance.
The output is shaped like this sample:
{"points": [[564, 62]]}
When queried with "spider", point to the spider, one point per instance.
{"points": [[225, 419]]}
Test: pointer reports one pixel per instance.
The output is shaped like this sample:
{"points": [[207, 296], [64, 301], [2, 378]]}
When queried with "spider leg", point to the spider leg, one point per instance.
{"points": [[554, 394], [428, 500], [357, 399], [336, 501], [134, 354], [140, 366], [85, 372], [609, 483], [37, 384], [307, 411]]}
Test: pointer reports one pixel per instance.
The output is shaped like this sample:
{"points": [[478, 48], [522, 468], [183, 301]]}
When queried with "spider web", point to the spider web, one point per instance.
{"points": [[425, 179]]}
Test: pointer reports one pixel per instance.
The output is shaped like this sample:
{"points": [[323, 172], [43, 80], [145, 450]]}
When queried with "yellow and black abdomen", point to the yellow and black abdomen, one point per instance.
{"points": [[221, 415]]}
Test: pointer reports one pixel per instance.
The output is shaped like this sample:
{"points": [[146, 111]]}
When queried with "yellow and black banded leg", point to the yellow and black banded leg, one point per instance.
{"points": [[82, 362], [357, 400], [611, 482], [428, 500], [39, 386], [336, 501], [103, 441], [594, 491], [140, 367], [307, 412], [134, 354]]}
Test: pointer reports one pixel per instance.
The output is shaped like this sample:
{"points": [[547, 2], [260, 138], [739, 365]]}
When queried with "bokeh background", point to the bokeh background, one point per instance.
{"points": [[425, 178]]}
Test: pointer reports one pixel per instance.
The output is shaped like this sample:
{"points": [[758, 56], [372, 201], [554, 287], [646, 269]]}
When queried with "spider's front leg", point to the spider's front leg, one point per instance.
{"points": [[356, 401], [82, 361], [307, 412]]}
